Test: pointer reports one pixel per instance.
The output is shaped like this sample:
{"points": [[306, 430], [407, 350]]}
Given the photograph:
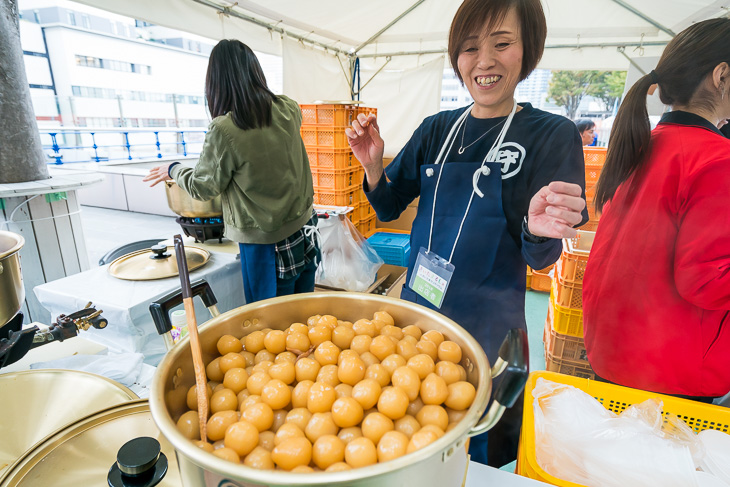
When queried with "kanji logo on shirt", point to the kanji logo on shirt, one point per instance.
{"points": [[511, 159]]}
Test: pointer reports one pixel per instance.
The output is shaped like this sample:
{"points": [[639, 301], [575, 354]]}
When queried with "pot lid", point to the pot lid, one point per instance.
{"points": [[157, 262], [82, 453], [36, 403]]}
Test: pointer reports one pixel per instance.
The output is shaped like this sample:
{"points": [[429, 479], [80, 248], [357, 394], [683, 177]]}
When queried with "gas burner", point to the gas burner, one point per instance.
{"points": [[202, 229]]}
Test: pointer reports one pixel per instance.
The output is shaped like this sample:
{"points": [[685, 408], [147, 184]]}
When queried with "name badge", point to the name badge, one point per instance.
{"points": [[431, 276]]}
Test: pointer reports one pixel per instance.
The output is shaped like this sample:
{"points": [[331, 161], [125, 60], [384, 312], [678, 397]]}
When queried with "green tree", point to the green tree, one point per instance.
{"points": [[567, 88], [609, 87]]}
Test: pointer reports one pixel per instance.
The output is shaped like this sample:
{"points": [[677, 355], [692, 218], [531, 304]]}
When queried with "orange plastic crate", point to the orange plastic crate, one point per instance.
{"points": [[572, 263], [697, 415], [346, 179], [367, 227], [567, 321], [332, 159], [563, 347], [594, 158], [330, 137], [330, 115], [541, 279], [364, 211], [590, 226], [568, 295], [529, 278], [348, 197], [576, 368]]}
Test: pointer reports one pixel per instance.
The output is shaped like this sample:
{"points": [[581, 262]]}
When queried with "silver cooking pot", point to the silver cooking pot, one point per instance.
{"points": [[183, 204], [442, 463], [12, 292]]}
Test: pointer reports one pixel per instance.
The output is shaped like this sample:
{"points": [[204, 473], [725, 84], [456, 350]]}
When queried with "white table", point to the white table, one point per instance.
{"points": [[125, 304]]}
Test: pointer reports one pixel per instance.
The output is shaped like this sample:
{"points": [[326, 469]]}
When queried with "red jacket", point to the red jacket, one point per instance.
{"points": [[656, 293]]}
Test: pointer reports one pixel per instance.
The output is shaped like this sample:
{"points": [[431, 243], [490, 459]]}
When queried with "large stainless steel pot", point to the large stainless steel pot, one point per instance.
{"points": [[442, 463], [12, 292], [184, 205]]}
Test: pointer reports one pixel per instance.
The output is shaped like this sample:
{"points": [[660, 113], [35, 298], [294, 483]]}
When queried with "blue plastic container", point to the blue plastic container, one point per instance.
{"points": [[393, 248]]}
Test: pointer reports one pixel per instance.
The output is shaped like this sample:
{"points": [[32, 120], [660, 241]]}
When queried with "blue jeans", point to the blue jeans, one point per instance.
{"points": [[302, 283]]}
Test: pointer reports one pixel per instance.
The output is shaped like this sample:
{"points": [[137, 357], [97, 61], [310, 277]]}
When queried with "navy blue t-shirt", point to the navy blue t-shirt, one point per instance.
{"points": [[539, 148]]}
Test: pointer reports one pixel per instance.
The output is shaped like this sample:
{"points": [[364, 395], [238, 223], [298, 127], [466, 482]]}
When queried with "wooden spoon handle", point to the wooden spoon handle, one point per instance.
{"points": [[199, 367]]}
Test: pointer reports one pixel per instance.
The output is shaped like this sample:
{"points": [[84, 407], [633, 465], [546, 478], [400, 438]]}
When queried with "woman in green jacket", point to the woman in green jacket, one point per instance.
{"points": [[254, 157]]}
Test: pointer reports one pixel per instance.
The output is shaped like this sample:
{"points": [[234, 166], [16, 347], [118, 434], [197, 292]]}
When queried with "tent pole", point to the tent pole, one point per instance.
{"points": [[644, 16], [229, 11], [391, 24]]}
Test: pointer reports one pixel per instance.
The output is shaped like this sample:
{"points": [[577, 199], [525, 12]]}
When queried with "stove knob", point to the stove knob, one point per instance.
{"points": [[140, 463]]}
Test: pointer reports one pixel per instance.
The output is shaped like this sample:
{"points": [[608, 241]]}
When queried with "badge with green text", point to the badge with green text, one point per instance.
{"points": [[431, 276]]}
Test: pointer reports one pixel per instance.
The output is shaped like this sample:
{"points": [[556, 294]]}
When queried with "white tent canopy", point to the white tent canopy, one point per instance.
{"points": [[410, 34]]}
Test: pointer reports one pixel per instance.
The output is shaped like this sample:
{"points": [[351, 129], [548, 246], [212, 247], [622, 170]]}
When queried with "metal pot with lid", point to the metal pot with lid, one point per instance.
{"points": [[443, 462], [157, 262]]}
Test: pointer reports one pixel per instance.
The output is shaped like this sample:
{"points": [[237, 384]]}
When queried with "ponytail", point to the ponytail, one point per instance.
{"points": [[686, 62], [629, 142]]}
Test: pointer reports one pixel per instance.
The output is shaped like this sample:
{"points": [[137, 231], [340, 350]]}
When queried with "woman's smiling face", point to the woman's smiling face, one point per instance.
{"points": [[490, 64]]}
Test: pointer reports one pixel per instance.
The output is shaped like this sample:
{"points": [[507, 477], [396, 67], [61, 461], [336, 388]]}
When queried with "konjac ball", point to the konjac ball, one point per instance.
{"points": [[235, 379], [299, 417], [392, 445], [298, 341], [284, 372], [433, 415], [449, 351], [241, 437], [192, 397], [227, 454], [219, 423], [351, 370], [393, 402], [275, 341], [375, 425], [422, 364], [321, 397], [461, 395], [306, 369], [328, 450], [366, 392], [213, 370], [407, 425], [254, 342], [320, 425], [260, 415], [361, 452], [189, 425], [287, 431], [434, 390], [407, 379], [382, 346], [347, 412], [379, 374], [276, 394], [229, 344], [292, 453], [223, 400], [260, 459]]}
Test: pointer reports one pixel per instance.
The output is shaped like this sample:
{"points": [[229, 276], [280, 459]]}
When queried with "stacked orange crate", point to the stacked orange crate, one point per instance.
{"points": [[336, 174], [594, 158], [565, 350]]}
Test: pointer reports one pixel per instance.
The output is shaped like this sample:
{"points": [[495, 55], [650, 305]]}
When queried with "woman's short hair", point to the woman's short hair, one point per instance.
{"points": [[584, 124], [236, 83], [474, 16]]}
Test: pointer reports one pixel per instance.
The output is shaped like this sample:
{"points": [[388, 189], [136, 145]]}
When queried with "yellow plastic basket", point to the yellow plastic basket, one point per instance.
{"points": [[697, 415], [567, 321]]}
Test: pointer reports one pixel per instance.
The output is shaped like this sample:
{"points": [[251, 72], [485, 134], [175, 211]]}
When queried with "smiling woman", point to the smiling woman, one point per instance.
{"points": [[499, 185]]}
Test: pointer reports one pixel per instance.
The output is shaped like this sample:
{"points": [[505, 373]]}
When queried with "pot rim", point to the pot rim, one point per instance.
{"points": [[20, 241], [446, 444]]}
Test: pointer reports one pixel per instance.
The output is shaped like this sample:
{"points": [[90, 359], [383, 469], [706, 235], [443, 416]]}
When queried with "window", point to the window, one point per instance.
{"points": [[71, 18], [85, 21]]}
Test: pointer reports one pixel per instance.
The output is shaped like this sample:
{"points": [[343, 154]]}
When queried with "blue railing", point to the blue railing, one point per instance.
{"points": [[63, 145]]}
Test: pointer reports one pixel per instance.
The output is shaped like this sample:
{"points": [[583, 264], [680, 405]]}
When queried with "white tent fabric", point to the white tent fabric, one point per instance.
{"points": [[580, 34], [408, 35]]}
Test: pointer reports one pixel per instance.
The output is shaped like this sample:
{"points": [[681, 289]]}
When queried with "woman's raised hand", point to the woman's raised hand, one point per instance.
{"points": [[367, 145], [158, 174], [555, 209]]}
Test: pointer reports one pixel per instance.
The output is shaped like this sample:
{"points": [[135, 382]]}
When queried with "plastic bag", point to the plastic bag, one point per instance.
{"points": [[578, 440], [348, 260]]}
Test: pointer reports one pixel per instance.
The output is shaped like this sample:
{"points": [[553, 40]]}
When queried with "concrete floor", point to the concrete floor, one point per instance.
{"points": [[107, 229]]}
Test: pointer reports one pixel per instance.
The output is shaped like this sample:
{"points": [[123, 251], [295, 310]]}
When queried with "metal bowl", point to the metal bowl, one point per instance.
{"points": [[184, 205], [440, 463]]}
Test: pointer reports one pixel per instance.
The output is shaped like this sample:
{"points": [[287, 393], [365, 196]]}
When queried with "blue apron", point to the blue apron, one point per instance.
{"points": [[486, 295]]}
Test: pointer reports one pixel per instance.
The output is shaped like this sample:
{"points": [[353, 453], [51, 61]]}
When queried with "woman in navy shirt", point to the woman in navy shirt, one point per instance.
{"points": [[500, 184]]}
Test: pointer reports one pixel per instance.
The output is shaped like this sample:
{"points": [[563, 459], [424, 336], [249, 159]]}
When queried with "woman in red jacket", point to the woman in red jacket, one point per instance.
{"points": [[656, 294]]}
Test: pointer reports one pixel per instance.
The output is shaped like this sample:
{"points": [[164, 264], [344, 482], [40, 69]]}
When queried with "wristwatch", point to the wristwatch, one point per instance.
{"points": [[530, 237]]}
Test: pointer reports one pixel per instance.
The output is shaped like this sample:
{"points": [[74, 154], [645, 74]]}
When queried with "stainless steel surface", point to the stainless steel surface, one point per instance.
{"points": [[139, 266], [441, 463], [38, 402], [184, 205], [82, 453], [12, 292]]}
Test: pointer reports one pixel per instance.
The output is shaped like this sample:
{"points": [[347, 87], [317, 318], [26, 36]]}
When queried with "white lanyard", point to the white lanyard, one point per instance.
{"points": [[483, 170]]}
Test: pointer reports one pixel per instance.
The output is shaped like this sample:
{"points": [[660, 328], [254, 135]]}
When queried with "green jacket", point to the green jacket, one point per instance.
{"points": [[262, 175]]}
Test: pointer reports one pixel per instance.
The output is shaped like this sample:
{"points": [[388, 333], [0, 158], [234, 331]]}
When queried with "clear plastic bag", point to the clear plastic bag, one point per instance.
{"points": [[578, 440], [348, 260]]}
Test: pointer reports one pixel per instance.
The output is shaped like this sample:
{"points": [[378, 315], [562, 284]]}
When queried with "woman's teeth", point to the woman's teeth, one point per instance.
{"points": [[487, 80]]}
